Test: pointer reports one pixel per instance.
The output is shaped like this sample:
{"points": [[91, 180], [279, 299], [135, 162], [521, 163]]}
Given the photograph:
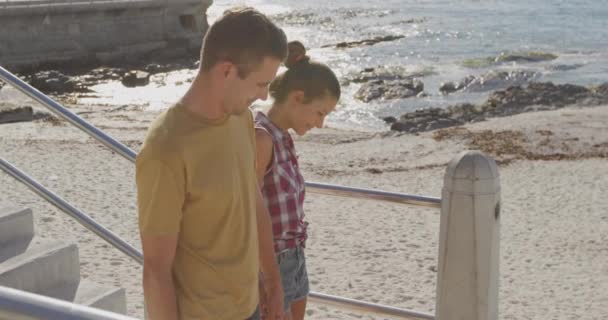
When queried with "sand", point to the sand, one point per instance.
{"points": [[554, 227]]}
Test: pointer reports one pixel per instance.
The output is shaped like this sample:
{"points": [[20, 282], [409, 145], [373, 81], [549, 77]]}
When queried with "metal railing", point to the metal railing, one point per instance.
{"points": [[17, 304], [129, 154], [44, 4], [40, 5], [64, 206]]}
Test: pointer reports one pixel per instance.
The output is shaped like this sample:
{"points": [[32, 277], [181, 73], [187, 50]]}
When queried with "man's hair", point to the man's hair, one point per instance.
{"points": [[244, 37]]}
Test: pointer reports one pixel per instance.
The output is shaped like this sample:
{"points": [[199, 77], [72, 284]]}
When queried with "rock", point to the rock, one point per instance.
{"points": [[42, 115], [422, 94], [303, 18], [441, 123], [16, 114], [409, 21], [52, 82], [423, 120], [154, 68], [602, 89], [385, 73], [514, 99], [494, 80], [535, 96], [523, 57], [402, 126], [135, 79], [370, 91], [399, 92], [448, 87], [103, 74], [381, 89], [563, 67], [96, 76], [373, 170], [365, 42], [491, 80], [389, 120], [461, 112]]}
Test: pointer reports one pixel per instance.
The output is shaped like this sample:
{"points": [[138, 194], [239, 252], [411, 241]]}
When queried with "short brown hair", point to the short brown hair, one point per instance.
{"points": [[243, 36]]}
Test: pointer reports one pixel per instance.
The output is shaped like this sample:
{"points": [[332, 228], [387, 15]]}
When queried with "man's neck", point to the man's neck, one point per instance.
{"points": [[203, 99]]}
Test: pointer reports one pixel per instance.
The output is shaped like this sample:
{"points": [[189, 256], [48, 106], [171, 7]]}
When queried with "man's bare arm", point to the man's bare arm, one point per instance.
{"points": [[159, 289]]}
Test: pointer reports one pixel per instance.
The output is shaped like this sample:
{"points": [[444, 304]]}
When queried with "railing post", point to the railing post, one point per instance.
{"points": [[467, 279]]}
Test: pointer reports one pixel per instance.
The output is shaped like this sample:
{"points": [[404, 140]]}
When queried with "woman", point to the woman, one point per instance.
{"points": [[303, 96]]}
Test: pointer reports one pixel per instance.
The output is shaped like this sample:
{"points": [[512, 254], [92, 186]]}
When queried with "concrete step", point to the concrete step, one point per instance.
{"points": [[47, 267], [44, 264], [90, 294], [16, 226]]}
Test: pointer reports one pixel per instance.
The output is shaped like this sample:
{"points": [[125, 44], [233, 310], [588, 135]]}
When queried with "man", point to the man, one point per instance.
{"points": [[199, 203]]}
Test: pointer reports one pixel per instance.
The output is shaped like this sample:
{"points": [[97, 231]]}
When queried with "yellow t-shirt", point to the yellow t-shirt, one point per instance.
{"points": [[196, 178]]}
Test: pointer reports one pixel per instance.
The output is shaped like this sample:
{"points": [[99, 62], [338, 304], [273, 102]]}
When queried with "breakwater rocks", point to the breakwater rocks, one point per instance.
{"points": [[491, 80], [516, 99], [509, 57], [79, 80], [387, 83]]}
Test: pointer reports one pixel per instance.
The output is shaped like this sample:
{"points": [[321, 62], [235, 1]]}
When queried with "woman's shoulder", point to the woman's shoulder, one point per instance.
{"points": [[259, 118], [262, 123]]}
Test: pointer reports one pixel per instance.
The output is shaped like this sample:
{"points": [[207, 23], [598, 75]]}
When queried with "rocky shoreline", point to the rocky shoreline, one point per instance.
{"points": [[78, 80], [535, 96], [514, 91], [65, 83]]}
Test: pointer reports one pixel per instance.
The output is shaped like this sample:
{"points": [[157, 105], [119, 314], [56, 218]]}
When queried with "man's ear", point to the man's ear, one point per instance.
{"points": [[225, 69]]}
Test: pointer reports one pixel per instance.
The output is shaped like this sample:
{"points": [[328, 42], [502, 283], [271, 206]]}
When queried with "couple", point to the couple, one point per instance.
{"points": [[220, 193]]}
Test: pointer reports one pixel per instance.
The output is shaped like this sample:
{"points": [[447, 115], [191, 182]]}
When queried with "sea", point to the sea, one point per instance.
{"points": [[444, 40]]}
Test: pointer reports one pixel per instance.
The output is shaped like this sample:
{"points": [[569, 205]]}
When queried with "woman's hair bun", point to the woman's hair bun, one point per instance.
{"points": [[297, 54]]}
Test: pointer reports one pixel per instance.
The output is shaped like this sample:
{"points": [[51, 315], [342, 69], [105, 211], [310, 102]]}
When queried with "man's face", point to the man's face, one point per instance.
{"points": [[241, 93]]}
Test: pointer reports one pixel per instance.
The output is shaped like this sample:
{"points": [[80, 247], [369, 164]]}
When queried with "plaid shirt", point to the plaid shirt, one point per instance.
{"points": [[283, 189]]}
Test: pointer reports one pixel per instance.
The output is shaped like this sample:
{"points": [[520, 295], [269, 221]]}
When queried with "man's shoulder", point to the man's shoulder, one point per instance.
{"points": [[161, 139], [245, 117]]}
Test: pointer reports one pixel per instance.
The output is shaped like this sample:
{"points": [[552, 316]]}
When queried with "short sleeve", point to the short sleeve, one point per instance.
{"points": [[251, 132], [160, 196]]}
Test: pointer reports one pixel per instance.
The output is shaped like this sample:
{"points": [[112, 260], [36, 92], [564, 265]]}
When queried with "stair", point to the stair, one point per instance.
{"points": [[47, 267]]}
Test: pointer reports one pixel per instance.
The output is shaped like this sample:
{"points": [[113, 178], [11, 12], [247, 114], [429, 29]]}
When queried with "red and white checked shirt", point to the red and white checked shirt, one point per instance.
{"points": [[283, 189]]}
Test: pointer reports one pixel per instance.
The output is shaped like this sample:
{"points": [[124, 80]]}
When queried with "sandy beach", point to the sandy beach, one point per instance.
{"points": [[554, 227]]}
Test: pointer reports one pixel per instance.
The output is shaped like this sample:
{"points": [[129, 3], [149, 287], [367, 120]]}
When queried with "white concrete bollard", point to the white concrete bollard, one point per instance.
{"points": [[467, 278]]}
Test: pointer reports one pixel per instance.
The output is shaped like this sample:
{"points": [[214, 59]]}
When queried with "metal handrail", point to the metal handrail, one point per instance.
{"points": [[370, 194], [133, 253], [67, 115], [357, 305], [73, 212], [17, 304], [319, 188], [130, 155]]}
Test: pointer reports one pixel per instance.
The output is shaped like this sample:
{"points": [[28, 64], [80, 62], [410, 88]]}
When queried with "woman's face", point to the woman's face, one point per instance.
{"points": [[306, 116]]}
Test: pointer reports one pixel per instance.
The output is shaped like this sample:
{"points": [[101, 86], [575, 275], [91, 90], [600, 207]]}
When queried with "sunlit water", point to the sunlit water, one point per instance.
{"points": [[443, 34]]}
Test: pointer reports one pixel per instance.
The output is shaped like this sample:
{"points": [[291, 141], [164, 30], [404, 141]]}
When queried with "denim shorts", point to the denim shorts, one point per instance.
{"points": [[294, 276]]}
